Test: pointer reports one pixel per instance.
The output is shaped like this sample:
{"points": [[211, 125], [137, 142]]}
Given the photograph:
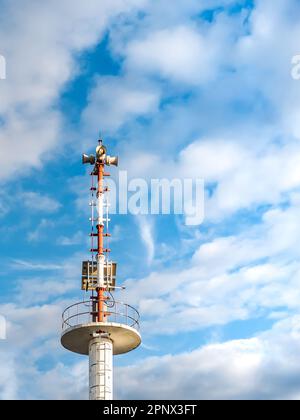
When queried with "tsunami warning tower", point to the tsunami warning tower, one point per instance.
{"points": [[100, 326]]}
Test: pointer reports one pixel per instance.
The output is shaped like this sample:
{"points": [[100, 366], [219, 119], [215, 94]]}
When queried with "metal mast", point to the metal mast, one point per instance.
{"points": [[100, 327]]}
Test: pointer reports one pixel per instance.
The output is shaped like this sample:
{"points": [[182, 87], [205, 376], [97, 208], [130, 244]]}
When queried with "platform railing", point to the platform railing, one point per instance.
{"points": [[87, 312]]}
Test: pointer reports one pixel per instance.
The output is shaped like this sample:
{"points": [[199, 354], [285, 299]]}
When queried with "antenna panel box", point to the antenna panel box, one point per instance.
{"points": [[90, 275]]}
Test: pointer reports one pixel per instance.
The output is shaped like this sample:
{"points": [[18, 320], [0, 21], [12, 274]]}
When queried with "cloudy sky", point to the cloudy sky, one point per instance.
{"points": [[199, 88]]}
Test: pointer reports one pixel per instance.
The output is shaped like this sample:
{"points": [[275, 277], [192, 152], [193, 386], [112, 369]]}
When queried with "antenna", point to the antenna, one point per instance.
{"points": [[100, 327]]}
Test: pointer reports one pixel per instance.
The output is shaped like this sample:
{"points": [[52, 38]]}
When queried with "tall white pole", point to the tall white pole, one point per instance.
{"points": [[101, 368]]}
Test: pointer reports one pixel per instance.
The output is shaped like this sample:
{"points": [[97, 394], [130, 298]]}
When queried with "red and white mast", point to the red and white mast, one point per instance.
{"points": [[100, 327]]}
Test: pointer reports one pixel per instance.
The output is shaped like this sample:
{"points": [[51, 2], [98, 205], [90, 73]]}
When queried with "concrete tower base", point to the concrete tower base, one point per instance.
{"points": [[101, 368]]}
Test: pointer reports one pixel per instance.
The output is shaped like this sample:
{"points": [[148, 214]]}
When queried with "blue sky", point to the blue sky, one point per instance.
{"points": [[197, 88]]}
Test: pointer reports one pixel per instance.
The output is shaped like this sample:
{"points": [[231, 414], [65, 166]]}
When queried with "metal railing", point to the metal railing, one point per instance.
{"points": [[86, 312]]}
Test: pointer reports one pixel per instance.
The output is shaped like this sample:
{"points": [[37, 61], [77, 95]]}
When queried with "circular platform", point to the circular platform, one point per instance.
{"points": [[77, 338]]}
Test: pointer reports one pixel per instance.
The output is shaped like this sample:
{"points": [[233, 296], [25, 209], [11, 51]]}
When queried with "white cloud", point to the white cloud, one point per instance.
{"points": [[76, 239], [44, 289], [63, 383], [40, 203], [26, 325], [116, 100], [200, 158], [263, 367], [40, 232], [33, 332], [155, 52], [37, 71], [146, 232], [229, 278], [8, 377], [252, 98], [56, 282], [30, 265], [179, 53], [244, 176], [22, 380], [267, 69], [25, 138]]}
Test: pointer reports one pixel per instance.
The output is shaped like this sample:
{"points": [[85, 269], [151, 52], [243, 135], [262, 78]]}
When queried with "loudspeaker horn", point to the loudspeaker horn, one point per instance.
{"points": [[88, 159], [112, 161]]}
